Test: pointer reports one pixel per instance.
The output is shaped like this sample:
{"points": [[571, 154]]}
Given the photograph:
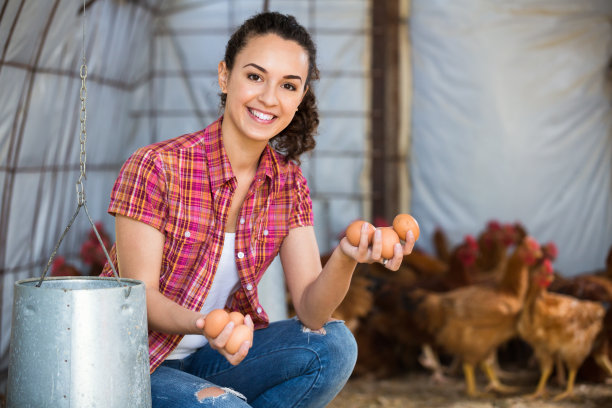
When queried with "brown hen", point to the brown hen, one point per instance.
{"points": [[557, 326], [473, 321]]}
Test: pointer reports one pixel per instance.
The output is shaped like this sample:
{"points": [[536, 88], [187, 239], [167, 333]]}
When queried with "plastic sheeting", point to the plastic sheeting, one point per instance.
{"points": [[512, 121]]}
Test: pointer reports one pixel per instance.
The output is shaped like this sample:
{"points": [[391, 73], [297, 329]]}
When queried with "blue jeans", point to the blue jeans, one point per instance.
{"points": [[288, 366]]}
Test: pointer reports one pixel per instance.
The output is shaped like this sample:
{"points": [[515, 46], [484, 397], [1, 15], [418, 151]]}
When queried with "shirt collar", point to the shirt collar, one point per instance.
{"points": [[219, 167]]}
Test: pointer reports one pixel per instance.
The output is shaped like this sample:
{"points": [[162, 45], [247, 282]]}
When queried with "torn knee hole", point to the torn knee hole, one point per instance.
{"points": [[209, 392]]}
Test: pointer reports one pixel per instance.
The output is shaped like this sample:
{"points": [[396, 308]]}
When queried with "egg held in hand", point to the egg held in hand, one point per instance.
{"points": [[239, 335], [215, 322], [353, 232], [402, 223], [389, 239], [237, 318]]}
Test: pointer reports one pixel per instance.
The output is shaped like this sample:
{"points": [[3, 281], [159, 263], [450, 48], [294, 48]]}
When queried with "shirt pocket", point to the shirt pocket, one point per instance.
{"points": [[183, 256]]}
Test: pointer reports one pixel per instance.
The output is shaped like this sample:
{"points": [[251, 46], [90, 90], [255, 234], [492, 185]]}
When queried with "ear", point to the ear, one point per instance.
{"points": [[223, 74]]}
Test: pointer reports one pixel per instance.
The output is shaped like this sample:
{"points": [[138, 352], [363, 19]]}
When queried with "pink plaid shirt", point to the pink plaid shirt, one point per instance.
{"points": [[183, 187]]}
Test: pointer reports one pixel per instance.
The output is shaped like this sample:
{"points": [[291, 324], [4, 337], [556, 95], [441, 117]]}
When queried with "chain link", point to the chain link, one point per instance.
{"points": [[82, 137]]}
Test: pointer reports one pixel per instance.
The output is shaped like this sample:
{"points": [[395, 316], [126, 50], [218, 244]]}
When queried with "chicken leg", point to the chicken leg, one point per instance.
{"points": [[541, 388], [470, 381], [494, 383], [569, 391]]}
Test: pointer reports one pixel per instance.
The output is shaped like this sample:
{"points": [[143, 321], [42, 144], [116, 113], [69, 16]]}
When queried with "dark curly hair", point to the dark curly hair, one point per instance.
{"points": [[298, 136]]}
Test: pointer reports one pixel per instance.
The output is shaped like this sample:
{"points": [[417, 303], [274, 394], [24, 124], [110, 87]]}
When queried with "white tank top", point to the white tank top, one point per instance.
{"points": [[224, 284]]}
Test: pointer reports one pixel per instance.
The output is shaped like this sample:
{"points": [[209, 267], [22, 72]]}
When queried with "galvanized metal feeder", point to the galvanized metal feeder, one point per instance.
{"points": [[79, 341]]}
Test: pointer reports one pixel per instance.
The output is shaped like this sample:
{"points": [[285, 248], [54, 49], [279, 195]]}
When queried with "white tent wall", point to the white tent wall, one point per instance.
{"points": [[151, 76], [512, 120]]}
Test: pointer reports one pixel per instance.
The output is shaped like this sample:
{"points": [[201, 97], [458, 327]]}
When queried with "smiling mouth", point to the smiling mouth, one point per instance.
{"points": [[260, 116]]}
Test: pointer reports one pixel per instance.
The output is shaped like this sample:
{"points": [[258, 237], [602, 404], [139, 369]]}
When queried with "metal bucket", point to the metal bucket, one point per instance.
{"points": [[79, 342]]}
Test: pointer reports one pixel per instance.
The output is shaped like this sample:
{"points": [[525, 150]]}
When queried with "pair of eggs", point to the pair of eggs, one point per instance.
{"points": [[402, 223], [217, 319]]}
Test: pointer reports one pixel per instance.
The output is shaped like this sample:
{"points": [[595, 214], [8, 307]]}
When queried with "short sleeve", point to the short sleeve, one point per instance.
{"points": [[301, 214], [140, 190]]}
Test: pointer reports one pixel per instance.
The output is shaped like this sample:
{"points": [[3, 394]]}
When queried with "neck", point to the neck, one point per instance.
{"points": [[243, 153], [515, 277]]}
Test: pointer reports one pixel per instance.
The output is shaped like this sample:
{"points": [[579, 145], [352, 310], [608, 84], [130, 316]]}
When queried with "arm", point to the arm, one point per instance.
{"points": [[317, 291], [139, 256]]}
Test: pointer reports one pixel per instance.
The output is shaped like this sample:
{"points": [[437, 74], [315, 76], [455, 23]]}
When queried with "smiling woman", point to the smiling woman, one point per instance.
{"points": [[199, 218]]}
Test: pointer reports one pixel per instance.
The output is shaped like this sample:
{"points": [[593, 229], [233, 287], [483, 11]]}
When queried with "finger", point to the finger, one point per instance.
{"points": [[409, 244], [249, 322], [395, 262], [200, 323], [223, 337], [377, 245], [242, 352], [363, 236]]}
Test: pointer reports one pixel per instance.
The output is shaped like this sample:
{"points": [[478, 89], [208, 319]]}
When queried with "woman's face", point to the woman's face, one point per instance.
{"points": [[264, 88]]}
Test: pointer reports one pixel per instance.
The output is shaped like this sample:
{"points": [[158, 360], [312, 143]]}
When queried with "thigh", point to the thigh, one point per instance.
{"points": [[173, 388], [281, 352]]}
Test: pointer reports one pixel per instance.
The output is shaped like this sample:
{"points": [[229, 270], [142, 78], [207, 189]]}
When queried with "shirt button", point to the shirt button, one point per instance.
{"points": [[240, 255], [241, 220], [187, 234], [266, 232], [249, 287], [259, 309]]}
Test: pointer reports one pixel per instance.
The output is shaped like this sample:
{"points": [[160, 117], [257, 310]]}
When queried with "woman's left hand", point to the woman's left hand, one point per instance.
{"points": [[364, 253]]}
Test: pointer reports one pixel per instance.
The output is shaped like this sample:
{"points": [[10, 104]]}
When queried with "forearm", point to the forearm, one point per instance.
{"points": [[322, 296], [166, 316]]}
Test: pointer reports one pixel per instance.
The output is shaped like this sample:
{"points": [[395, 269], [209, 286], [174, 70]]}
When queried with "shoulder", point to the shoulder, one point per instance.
{"points": [[289, 172]]}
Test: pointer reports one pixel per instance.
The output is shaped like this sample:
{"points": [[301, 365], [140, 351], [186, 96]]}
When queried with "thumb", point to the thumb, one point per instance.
{"points": [[200, 323]]}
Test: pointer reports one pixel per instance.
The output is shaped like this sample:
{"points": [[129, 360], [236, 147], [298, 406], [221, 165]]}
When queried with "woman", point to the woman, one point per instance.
{"points": [[200, 217]]}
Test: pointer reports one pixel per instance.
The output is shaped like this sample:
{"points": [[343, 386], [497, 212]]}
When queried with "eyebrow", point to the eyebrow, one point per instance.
{"points": [[262, 69]]}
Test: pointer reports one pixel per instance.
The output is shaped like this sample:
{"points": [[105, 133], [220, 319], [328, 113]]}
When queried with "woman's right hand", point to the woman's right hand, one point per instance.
{"points": [[218, 343]]}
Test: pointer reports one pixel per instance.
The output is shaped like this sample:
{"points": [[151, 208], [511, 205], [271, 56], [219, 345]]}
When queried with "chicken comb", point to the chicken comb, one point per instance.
{"points": [[550, 250], [547, 265], [470, 241], [494, 225], [509, 234], [381, 222], [532, 244]]}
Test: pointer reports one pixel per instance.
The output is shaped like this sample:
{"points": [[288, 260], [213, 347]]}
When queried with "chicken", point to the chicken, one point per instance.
{"points": [[441, 245], [493, 244], [557, 326], [594, 286], [473, 321]]}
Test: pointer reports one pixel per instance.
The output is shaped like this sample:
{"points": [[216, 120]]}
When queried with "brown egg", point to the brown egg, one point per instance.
{"points": [[353, 232], [402, 223], [215, 321], [240, 334], [237, 318], [389, 239]]}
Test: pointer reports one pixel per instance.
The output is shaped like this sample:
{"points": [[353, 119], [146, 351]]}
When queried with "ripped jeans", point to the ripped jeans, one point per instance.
{"points": [[288, 366]]}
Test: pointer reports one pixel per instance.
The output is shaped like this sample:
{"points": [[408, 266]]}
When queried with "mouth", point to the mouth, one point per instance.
{"points": [[261, 117]]}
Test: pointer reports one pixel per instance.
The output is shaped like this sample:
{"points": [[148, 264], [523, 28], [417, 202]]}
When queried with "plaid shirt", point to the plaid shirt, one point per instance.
{"points": [[183, 187]]}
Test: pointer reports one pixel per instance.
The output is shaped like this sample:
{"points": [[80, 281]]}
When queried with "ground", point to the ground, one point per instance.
{"points": [[418, 391]]}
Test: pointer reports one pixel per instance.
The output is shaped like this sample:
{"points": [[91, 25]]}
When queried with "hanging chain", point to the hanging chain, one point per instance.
{"points": [[80, 186], [82, 136]]}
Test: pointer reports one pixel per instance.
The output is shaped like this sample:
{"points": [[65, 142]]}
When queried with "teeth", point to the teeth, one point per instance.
{"points": [[261, 115]]}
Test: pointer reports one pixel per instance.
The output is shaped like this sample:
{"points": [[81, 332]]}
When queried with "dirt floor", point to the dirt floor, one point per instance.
{"points": [[418, 391]]}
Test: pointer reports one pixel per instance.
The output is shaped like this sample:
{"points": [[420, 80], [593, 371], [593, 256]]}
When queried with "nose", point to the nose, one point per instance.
{"points": [[268, 95]]}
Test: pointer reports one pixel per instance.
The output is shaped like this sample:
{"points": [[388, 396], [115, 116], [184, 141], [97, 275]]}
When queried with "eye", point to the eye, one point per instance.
{"points": [[289, 87], [254, 77]]}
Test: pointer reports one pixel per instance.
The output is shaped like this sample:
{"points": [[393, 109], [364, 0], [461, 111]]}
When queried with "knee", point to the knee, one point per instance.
{"points": [[339, 348], [209, 392], [344, 347], [216, 392]]}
